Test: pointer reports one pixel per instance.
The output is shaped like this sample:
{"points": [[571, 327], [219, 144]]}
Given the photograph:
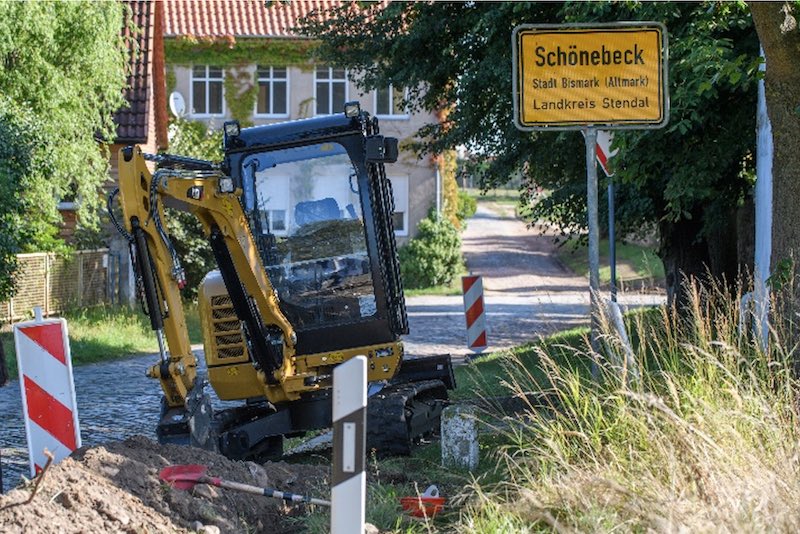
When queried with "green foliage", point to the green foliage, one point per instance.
{"points": [[698, 168], [447, 173], [64, 65], [432, 258], [24, 166], [467, 206], [240, 94], [231, 52], [634, 263], [193, 139]]}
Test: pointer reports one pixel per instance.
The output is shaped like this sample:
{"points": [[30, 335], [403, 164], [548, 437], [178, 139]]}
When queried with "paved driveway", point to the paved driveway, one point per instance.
{"points": [[527, 291]]}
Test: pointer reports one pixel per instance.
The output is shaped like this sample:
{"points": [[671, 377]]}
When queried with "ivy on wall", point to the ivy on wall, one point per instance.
{"points": [[230, 52], [234, 55], [447, 173], [240, 93]]}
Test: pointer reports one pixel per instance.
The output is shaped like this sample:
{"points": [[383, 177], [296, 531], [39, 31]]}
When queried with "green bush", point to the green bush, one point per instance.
{"points": [[467, 206], [432, 258]]}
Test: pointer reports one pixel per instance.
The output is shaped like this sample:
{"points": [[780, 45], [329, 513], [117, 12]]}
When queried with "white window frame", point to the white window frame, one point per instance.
{"points": [[207, 79], [403, 178], [390, 116], [271, 81], [330, 81]]}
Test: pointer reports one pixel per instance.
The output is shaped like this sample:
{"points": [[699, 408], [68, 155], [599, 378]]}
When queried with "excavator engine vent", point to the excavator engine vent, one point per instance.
{"points": [[227, 334]]}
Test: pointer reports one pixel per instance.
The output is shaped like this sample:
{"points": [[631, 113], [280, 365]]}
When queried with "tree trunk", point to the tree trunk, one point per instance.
{"points": [[684, 254], [780, 39]]}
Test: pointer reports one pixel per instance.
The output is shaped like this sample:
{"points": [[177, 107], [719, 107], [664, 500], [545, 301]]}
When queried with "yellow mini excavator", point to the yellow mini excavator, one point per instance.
{"points": [[299, 218]]}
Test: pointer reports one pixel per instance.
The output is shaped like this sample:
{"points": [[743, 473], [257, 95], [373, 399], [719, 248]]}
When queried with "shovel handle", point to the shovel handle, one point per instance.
{"points": [[267, 492]]}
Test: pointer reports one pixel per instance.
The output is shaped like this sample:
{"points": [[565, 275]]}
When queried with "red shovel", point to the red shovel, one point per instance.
{"points": [[185, 477]]}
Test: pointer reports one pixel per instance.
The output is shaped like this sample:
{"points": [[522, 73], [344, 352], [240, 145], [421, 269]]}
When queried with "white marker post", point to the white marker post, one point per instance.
{"points": [[349, 480]]}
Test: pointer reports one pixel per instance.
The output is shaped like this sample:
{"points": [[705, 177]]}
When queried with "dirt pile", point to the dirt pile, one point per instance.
{"points": [[115, 488]]}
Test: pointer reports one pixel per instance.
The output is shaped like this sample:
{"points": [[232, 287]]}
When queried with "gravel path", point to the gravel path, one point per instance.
{"points": [[527, 291]]}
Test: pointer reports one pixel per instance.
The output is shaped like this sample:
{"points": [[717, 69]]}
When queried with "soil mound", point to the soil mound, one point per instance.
{"points": [[115, 488]]}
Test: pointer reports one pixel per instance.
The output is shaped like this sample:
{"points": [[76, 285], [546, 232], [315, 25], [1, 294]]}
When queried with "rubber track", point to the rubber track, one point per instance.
{"points": [[390, 411]]}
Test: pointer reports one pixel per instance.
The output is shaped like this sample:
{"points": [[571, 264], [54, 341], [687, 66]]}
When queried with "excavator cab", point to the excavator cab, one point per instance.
{"points": [[321, 217], [299, 218]]}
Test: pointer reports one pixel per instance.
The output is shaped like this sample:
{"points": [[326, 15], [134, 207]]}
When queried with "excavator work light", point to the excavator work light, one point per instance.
{"points": [[352, 109], [226, 185], [232, 129]]}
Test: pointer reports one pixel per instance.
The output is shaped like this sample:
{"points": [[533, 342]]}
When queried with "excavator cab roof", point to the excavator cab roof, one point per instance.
{"points": [[301, 131]]}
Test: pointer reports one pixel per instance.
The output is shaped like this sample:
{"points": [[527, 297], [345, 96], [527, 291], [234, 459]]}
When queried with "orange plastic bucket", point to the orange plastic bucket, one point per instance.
{"points": [[426, 505]]}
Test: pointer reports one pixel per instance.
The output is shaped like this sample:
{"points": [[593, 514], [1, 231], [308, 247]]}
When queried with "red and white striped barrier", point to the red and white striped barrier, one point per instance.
{"points": [[48, 392], [472, 287]]}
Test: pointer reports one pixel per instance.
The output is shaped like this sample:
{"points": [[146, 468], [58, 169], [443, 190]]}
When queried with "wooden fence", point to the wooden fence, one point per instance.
{"points": [[56, 282]]}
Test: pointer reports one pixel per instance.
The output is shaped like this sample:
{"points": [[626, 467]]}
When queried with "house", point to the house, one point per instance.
{"points": [[238, 59], [145, 122]]}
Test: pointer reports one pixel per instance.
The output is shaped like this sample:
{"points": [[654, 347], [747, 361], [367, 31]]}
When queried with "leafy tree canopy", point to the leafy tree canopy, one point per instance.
{"points": [[196, 140], [687, 177], [62, 72]]}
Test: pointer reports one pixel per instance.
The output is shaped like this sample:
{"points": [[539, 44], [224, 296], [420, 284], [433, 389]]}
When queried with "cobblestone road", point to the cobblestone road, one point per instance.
{"points": [[527, 293]]}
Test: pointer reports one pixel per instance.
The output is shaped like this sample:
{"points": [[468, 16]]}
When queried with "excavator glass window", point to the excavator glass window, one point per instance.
{"points": [[308, 223]]}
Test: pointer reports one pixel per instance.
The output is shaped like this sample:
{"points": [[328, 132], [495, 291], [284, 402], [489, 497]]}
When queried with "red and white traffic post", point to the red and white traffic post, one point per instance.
{"points": [[48, 392], [475, 313]]}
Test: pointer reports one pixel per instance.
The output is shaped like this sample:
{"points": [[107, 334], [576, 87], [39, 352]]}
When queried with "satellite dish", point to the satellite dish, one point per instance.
{"points": [[176, 104]]}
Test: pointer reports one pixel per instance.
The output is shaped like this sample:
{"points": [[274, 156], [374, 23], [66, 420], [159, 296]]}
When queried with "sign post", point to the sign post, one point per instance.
{"points": [[585, 77], [604, 154]]}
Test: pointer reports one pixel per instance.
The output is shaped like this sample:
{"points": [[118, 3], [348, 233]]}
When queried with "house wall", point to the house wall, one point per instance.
{"points": [[419, 173]]}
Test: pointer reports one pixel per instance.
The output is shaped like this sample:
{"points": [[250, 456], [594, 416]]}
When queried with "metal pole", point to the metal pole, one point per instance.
{"points": [[594, 243], [612, 244]]}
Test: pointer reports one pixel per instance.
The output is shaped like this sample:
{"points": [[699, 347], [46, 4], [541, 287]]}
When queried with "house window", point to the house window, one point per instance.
{"points": [[277, 221], [331, 90], [273, 204], [400, 196], [207, 90], [389, 102], [273, 91]]}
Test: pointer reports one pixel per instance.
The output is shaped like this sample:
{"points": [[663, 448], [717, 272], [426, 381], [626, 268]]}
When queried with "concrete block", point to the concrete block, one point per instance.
{"points": [[460, 437]]}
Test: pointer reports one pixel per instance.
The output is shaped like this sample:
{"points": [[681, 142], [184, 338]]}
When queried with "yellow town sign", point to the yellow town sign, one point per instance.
{"points": [[608, 76]]}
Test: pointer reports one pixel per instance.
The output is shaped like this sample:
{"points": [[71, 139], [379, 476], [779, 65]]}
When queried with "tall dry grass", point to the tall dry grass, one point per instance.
{"points": [[706, 440]]}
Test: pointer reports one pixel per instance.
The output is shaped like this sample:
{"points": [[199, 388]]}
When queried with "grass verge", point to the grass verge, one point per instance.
{"points": [[704, 437], [453, 288], [105, 333], [634, 262], [501, 196]]}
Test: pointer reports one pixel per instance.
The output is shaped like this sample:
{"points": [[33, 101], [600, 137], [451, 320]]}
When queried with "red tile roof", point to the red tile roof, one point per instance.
{"points": [[132, 121], [145, 78], [238, 18]]}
